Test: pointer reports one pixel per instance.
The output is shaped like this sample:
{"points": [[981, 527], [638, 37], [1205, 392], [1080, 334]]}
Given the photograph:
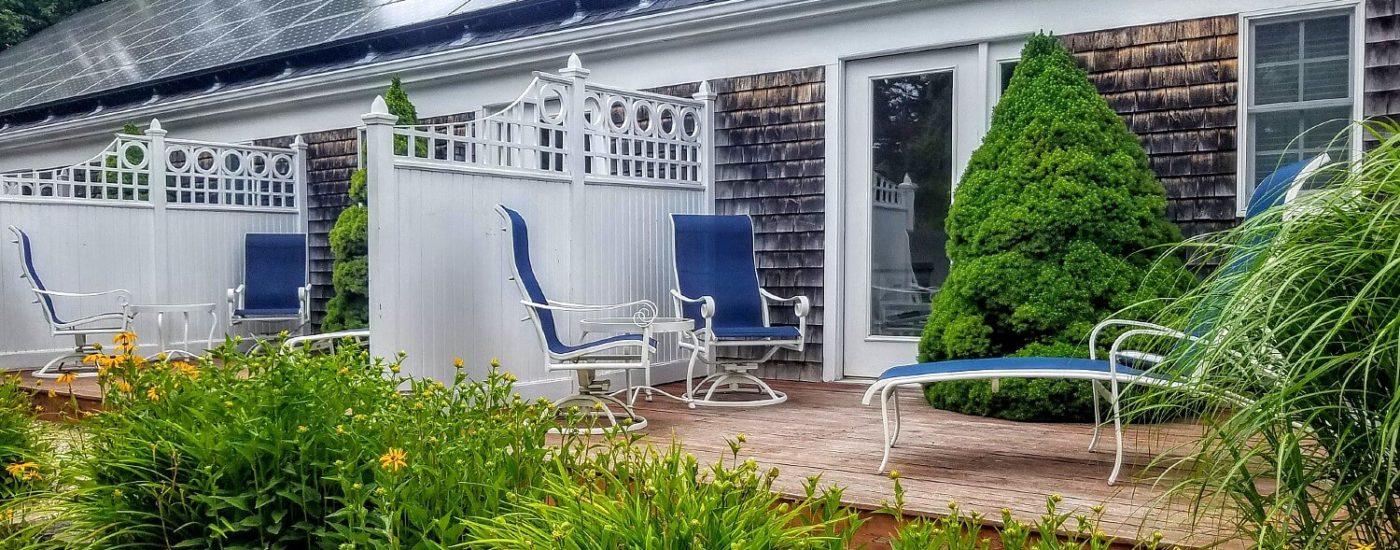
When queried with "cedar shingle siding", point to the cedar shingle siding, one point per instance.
{"points": [[770, 157], [1175, 85], [1381, 95]]}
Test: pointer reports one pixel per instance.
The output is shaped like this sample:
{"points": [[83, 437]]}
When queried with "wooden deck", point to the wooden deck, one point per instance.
{"points": [[982, 464]]}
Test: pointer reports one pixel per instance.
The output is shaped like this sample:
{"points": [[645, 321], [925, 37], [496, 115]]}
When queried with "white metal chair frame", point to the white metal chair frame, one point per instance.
{"points": [[591, 394], [79, 329], [326, 342], [1114, 381], [732, 376]]}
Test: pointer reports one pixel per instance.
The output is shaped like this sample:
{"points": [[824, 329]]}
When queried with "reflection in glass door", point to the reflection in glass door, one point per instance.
{"points": [[911, 156], [910, 124]]}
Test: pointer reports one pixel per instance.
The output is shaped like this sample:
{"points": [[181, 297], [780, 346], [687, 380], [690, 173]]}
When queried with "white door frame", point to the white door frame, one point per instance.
{"points": [[990, 53]]}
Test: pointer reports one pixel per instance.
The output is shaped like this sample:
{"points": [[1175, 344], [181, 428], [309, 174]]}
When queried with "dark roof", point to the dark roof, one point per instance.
{"points": [[128, 52]]}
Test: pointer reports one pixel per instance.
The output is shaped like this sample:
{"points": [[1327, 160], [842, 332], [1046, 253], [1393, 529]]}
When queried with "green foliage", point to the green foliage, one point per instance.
{"points": [[1305, 360], [633, 496], [1049, 234], [349, 308], [22, 449], [288, 449], [20, 19]]}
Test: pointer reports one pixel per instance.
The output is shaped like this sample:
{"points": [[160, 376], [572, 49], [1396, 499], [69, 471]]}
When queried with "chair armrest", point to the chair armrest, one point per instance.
{"points": [[123, 295], [707, 305], [1098, 329], [801, 304], [646, 309], [234, 302], [1116, 350]]}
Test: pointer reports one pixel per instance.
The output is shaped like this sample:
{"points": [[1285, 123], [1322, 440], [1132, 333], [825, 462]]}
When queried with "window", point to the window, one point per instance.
{"points": [[1005, 69], [1299, 91]]}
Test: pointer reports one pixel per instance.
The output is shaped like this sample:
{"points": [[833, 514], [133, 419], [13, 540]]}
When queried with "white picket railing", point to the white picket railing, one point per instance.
{"points": [[596, 190], [164, 218]]}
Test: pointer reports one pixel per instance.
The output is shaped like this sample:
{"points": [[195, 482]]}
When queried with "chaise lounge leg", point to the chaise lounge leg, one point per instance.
{"points": [[1098, 417], [894, 395], [885, 425], [1117, 434]]}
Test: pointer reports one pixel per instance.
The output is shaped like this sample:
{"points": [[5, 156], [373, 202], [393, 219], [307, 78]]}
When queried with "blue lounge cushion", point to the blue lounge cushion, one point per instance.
{"points": [[755, 333], [1010, 365]]}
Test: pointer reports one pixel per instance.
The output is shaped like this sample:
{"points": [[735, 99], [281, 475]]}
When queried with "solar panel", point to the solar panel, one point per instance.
{"points": [[123, 43]]}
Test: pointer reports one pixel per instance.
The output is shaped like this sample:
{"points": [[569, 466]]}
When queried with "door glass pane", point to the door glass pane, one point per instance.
{"points": [[912, 179]]}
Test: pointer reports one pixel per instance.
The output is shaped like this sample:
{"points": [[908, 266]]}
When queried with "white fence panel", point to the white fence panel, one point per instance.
{"points": [[164, 219], [596, 191]]}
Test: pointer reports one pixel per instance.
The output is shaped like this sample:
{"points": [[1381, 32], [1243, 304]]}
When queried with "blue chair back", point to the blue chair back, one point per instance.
{"points": [[26, 262], [1272, 191], [274, 270], [525, 277], [715, 258]]}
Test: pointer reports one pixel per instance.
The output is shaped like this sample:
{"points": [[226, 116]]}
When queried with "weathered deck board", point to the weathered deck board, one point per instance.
{"points": [[983, 464]]}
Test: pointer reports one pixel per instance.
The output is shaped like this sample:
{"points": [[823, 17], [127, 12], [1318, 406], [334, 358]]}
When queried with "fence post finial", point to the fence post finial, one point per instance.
{"points": [[155, 128], [379, 107], [575, 67]]}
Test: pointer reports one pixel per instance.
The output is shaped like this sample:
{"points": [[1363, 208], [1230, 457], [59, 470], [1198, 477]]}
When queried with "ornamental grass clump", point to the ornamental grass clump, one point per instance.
{"points": [[293, 450], [1302, 428], [1052, 230], [629, 496]]}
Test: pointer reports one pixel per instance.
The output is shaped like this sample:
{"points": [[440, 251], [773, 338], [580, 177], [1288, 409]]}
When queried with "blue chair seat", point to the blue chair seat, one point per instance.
{"points": [[1012, 365], [562, 348], [268, 312], [756, 333]]}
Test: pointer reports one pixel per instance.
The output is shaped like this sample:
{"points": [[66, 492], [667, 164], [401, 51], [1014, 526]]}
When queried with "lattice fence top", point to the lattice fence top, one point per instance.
{"points": [[627, 136], [193, 173]]}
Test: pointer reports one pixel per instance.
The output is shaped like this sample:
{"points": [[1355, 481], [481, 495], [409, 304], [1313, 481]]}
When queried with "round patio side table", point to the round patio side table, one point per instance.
{"points": [[184, 311]]}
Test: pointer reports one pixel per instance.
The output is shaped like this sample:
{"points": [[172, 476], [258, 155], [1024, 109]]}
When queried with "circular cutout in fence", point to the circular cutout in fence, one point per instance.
{"points": [[592, 109], [619, 116], [642, 113], [551, 104], [233, 163], [282, 166], [176, 159], [257, 163], [133, 154], [690, 124], [666, 120], [204, 160]]}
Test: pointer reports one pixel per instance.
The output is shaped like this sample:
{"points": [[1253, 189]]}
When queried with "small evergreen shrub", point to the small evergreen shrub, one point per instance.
{"points": [[1052, 229], [349, 238]]}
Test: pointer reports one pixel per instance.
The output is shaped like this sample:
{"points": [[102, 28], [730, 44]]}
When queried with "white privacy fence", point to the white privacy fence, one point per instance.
{"points": [[595, 171], [164, 218]]}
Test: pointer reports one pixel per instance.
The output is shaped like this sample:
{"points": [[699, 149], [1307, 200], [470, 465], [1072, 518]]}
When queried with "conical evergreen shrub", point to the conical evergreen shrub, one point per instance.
{"points": [[349, 308], [1052, 229]]}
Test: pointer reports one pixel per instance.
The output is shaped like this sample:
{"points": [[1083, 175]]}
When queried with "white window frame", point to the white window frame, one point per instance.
{"points": [[1244, 145]]}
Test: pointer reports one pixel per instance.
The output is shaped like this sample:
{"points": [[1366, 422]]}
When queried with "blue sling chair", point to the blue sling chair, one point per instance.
{"points": [[274, 288], [105, 323], [625, 352], [1122, 367], [718, 288]]}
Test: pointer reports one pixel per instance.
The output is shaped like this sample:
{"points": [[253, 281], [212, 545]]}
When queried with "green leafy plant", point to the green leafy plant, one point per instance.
{"points": [[289, 449], [349, 238], [23, 450], [1301, 426], [634, 496], [1047, 236]]}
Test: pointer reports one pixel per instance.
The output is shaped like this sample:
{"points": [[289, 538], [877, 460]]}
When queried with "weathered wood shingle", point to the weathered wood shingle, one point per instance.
{"points": [[1175, 85], [1381, 93]]}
